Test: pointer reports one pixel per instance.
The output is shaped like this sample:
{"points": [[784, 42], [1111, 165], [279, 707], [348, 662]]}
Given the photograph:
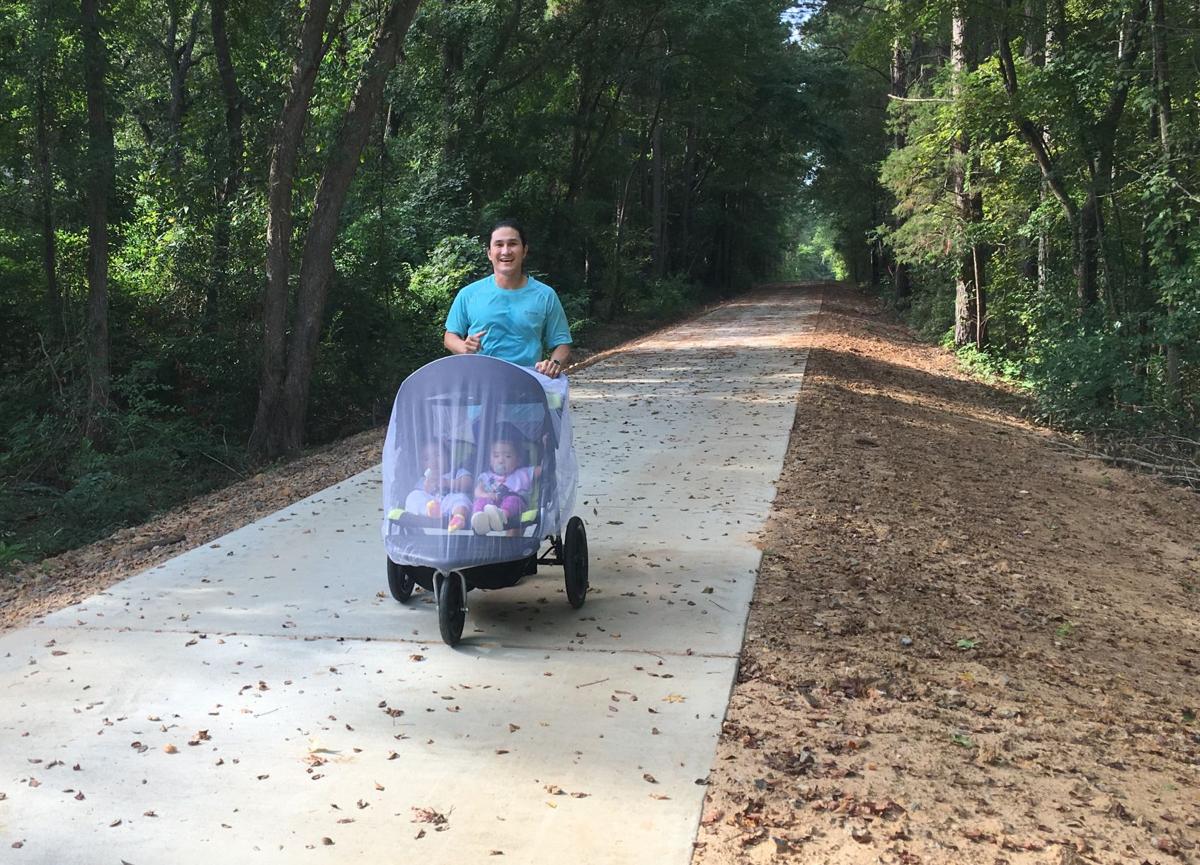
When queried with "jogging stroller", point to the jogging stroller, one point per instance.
{"points": [[452, 524]]}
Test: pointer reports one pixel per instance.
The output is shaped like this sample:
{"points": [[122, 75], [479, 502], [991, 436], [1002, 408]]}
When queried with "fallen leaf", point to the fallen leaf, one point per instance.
{"points": [[674, 698], [170, 749], [428, 815], [648, 778]]}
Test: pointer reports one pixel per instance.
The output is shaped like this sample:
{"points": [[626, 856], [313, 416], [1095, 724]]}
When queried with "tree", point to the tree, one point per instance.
{"points": [[100, 172], [1097, 142], [283, 394]]}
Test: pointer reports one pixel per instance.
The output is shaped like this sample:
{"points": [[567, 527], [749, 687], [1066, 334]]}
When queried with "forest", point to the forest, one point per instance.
{"points": [[228, 231]]}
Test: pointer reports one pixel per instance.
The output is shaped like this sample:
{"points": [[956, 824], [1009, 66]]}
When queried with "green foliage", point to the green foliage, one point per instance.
{"points": [[663, 300], [1130, 359], [62, 491], [12, 554]]}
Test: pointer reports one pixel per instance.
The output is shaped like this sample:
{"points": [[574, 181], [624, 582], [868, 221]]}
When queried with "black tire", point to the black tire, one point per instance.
{"points": [[451, 615], [400, 581], [575, 561]]}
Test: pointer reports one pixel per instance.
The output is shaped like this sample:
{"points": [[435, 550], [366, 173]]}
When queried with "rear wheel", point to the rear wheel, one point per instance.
{"points": [[452, 613], [575, 561], [399, 581]]}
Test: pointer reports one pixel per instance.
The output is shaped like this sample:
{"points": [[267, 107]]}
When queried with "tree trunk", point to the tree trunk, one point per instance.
{"points": [[179, 61], [901, 283], [1164, 113], [658, 201], [265, 437], [283, 431], [1087, 250], [232, 167], [966, 288], [53, 297], [99, 181]]}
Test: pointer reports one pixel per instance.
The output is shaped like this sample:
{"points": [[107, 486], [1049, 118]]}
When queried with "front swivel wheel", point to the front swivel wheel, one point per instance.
{"points": [[575, 561], [400, 581], [451, 606]]}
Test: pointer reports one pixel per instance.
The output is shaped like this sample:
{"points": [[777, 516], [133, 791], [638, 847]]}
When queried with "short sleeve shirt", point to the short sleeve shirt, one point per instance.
{"points": [[520, 323]]}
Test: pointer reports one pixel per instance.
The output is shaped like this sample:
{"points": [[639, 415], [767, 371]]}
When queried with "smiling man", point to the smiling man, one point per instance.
{"points": [[510, 315]]}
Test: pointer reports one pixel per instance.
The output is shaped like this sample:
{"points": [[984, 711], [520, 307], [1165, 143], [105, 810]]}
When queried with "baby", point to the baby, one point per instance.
{"points": [[502, 493], [439, 493]]}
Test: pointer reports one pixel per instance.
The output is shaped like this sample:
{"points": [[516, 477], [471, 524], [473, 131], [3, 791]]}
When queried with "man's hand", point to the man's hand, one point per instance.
{"points": [[549, 368], [470, 344], [474, 341]]}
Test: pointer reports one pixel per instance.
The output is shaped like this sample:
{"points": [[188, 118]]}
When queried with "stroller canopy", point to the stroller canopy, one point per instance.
{"points": [[450, 420]]}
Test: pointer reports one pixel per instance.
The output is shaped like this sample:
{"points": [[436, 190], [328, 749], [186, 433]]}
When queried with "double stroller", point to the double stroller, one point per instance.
{"points": [[458, 424]]}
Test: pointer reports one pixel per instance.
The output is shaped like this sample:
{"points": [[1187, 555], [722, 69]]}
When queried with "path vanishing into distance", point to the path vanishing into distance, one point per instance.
{"points": [[263, 699]]}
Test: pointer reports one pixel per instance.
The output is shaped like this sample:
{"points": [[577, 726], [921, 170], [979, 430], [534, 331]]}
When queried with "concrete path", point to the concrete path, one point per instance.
{"points": [[263, 699]]}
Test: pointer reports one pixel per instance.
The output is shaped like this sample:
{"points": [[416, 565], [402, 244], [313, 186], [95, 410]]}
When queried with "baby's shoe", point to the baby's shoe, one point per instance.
{"points": [[433, 509], [457, 522], [496, 517], [480, 523]]}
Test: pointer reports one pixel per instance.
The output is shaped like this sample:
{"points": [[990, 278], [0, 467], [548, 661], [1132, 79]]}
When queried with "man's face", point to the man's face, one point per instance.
{"points": [[507, 253], [504, 458]]}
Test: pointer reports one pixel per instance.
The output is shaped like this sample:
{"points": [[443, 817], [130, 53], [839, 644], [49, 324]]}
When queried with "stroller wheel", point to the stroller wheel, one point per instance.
{"points": [[452, 607], [575, 561], [399, 581]]}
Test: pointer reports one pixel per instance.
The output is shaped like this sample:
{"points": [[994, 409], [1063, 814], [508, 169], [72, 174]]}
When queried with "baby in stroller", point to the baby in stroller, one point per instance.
{"points": [[441, 492], [502, 492]]}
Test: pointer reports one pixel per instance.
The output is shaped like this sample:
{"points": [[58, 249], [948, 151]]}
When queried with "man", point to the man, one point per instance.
{"points": [[510, 315]]}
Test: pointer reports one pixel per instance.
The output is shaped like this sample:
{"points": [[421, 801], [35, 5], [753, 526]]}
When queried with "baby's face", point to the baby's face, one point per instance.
{"points": [[431, 458], [504, 458]]}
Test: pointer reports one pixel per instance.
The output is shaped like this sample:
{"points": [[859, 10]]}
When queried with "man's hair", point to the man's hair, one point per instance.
{"points": [[508, 223]]}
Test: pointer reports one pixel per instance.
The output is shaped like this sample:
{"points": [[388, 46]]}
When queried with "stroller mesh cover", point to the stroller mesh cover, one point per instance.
{"points": [[478, 465]]}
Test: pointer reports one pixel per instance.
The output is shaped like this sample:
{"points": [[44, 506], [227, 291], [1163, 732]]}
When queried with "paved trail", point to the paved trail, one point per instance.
{"points": [[262, 699]]}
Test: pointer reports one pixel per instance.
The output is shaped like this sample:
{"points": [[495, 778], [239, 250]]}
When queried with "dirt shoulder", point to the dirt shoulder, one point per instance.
{"points": [[965, 645]]}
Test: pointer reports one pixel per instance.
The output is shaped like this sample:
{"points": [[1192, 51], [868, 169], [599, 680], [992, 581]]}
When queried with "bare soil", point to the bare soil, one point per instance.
{"points": [[965, 645]]}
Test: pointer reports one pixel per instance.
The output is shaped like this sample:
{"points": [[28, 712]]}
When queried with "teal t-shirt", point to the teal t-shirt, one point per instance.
{"points": [[520, 322]]}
